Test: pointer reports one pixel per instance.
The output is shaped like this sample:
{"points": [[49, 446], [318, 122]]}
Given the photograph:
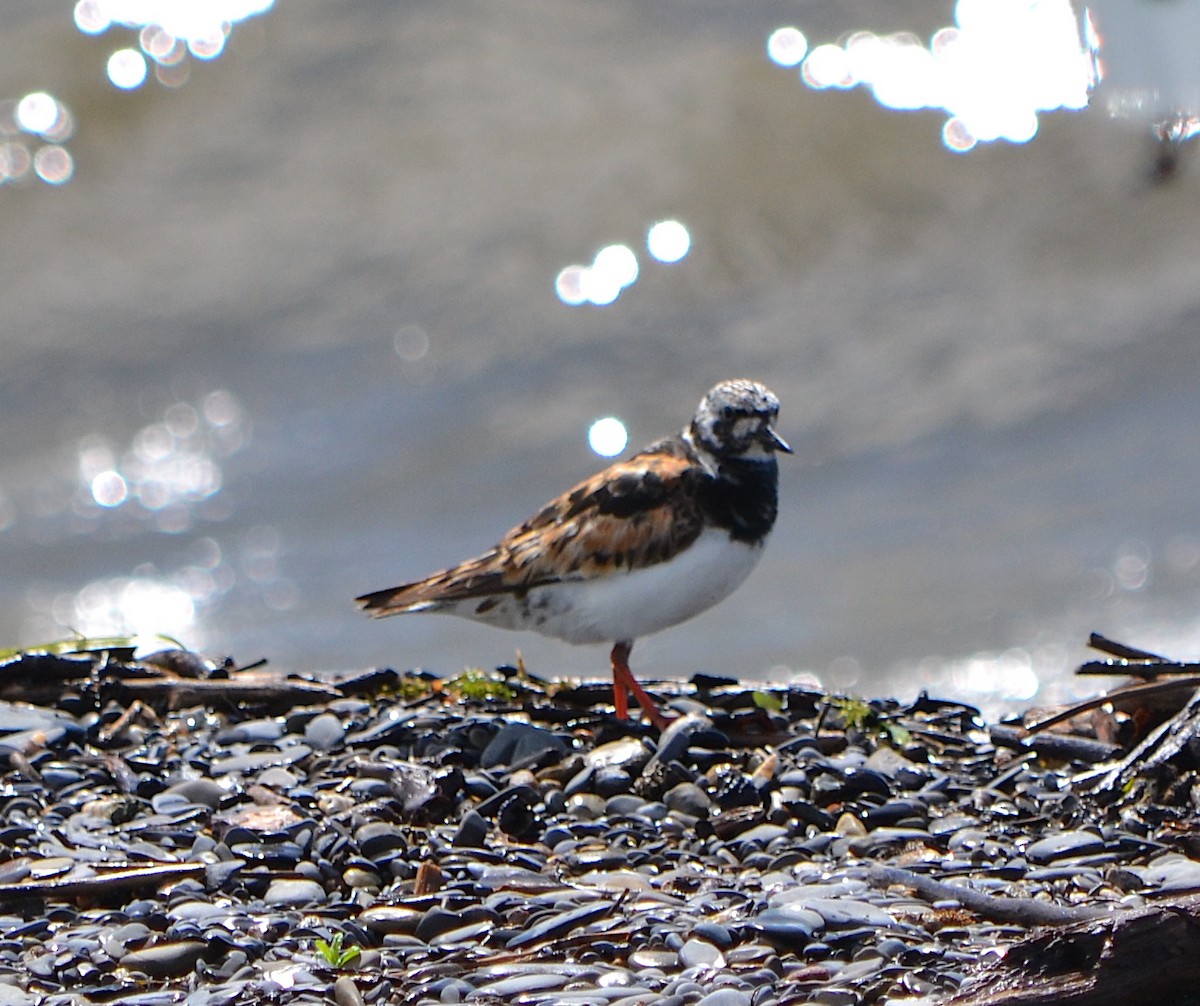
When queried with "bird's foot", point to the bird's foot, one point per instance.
{"points": [[624, 682]]}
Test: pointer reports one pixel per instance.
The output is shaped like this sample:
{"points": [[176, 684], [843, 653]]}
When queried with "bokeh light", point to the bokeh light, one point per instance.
{"points": [[168, 31], [53, 164], [15, 161], [37, 113], [169, 466], [614, 268], [90, 17], [36, 126], [617, 262], [827, 66], [127, 69], [568, 284], [608, 437], [141, 606], [411, 343], [668, 241], [787, 46], [1001, 64]]}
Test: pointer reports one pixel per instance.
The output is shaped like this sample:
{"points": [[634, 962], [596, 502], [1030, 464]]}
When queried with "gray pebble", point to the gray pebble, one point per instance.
{"points": [[283, 893], [688, 798], [1171, 872], [519, 743], [698, 953], [202, 791], [725, 997], [1062, 845], [346, 993], [325, 732], [165, 960]]}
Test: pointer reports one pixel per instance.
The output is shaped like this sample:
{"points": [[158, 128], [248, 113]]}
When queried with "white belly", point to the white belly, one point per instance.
{"points": [[628, 605]]}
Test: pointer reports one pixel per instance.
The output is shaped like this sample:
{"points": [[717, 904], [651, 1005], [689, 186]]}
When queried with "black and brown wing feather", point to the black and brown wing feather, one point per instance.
{"points": [[633, 514]]}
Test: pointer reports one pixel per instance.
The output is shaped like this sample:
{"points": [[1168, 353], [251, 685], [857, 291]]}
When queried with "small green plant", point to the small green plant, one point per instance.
{"points": [[475, 684], [77, 645], [857, 714], [769, 701], [335, 952], [412, 687]]}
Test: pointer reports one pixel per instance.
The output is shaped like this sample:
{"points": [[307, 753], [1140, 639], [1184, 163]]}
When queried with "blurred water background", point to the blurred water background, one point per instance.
{"points": [[303, 304]]}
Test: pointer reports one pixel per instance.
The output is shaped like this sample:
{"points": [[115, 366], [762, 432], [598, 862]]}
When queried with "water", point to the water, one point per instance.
{"points": [[290, 333]]}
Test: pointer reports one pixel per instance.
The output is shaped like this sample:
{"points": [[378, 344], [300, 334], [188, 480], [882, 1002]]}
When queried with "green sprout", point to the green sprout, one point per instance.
{"points": [[412, 687], [857, 714], [475, 684], [769, 701], [79, 644], [335, 953]]}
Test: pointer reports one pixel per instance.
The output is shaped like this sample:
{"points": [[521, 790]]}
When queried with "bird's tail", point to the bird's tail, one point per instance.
{"points": [[394, 601]]}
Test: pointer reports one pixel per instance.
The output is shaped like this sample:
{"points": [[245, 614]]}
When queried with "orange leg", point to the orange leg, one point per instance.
{"points": [[621, 675], [624, 682]]}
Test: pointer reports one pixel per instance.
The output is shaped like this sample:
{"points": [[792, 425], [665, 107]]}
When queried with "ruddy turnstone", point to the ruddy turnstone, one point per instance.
{"points": [[643, 545]]}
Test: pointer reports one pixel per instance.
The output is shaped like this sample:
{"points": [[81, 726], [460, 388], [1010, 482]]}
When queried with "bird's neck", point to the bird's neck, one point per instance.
{"points": [[743, 496]]}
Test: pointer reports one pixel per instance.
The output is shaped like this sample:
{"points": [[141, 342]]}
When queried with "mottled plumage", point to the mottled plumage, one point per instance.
{"points": [[644, 544]]}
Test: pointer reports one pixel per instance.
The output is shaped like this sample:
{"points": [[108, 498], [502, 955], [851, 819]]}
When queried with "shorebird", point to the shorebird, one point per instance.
{"points": [[641, 546]]}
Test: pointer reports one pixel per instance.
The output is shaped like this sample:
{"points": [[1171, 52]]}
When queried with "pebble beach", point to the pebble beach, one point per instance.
{"points": [[392, 838]]}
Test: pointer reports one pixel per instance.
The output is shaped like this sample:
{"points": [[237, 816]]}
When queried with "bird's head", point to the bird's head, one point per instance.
{"points": [[734, 420]]}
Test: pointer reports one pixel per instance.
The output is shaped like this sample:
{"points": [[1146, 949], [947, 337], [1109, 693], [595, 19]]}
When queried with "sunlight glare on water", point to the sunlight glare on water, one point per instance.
{"points": [[127, 69], [169, 466], [129, 606], [53, 164], [787, 46], [668, 241], [37, 112], [37, 125], [608, 437], [167, 31], [992, 680], [614, 268], [1001, 64]]}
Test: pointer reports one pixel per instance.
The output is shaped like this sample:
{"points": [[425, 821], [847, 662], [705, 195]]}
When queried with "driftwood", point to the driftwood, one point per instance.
{"points": [[167, 680], [1167, 752], [1141, 957], [1132, 661], [1077, 955], [101, 885], [1061, 747], [251, 689], [1020, 911]]}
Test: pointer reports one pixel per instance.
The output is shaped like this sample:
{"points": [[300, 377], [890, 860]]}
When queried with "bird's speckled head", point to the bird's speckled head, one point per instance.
{"points": [[734, 421]]}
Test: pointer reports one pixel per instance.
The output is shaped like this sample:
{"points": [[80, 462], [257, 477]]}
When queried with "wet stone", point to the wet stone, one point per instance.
{"points": [[294, 893], [699, 953], [198, 791], [792, 927], [630, 753], [472, 832], [726, 997], [255, 761], [611, 780], [262, 731], [688, 798], [522, 743], [1171, 872], [165, 960], [477, 851], [1063, 845], [324, 732]]}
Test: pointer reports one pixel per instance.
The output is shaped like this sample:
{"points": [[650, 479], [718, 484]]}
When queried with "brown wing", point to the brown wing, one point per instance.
{"points": [[635, 513]]}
